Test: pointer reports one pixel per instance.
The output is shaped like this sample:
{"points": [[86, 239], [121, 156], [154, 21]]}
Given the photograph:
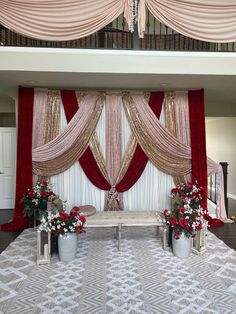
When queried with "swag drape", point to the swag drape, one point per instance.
{"points": [[59, 20], [89, 163], [207, 20]]}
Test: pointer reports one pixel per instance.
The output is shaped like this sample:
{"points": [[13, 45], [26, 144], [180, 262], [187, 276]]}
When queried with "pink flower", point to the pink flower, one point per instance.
{"points": [[31, 194]]}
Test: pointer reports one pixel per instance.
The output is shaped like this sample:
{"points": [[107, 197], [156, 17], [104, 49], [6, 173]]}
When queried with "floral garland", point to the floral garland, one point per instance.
{"points": [[64, 222]]}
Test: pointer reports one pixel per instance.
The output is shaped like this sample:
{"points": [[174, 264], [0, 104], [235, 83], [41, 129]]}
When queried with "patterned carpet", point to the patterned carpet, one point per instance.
{"points": [[139, 279]]}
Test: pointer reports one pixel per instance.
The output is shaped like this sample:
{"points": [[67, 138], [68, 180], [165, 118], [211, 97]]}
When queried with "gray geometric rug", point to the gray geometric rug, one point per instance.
{"points": [[139, 279]]}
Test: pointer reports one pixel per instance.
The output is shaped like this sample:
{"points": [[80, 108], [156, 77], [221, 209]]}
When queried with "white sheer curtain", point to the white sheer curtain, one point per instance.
{"points": [[151, 192]]}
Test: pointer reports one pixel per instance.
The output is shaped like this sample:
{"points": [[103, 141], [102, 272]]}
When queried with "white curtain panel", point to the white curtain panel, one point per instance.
{"points": [[151, 192]]}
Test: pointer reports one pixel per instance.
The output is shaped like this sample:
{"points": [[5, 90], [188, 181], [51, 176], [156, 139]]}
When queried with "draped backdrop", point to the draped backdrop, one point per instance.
{"points": [[59, 20], [113, 150]]}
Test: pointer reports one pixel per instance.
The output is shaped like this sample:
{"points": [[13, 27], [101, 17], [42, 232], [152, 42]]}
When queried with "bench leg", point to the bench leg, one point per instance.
{"points": [[164, 243], [119, 235]]}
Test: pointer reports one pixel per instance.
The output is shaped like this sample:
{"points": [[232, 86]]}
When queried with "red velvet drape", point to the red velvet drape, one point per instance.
{"points": [[198, 141], [24, 158], [87, 160]]}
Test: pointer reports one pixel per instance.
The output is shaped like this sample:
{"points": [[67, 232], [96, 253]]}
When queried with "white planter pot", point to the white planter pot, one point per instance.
{"points": [[182, 246], [67, 247]]}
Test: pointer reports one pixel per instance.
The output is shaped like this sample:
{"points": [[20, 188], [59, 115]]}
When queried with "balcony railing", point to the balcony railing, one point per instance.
{"points": [[116, 36]]}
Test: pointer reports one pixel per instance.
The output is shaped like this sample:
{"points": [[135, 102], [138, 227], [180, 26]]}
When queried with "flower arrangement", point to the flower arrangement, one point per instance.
{"points": [[63, 222], [38, 198], [187, 214]]}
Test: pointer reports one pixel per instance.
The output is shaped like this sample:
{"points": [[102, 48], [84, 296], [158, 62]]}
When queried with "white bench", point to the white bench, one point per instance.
{"points": [[120, 219]]}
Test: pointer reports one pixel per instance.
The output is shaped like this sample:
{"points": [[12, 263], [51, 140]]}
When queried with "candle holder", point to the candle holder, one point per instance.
{"points": [[200, 241], [43, 247]]}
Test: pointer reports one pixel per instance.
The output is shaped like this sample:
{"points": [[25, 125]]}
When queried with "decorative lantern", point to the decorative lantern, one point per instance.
{"points": [[200, 241], [43, 247]]}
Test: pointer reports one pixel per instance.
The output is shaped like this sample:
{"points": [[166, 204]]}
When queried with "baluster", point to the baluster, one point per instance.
{"points": [[225, 173]]}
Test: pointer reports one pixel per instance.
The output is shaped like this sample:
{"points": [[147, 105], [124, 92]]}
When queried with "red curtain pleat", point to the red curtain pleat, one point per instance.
{"points": [[24, 158], [198, 140]]}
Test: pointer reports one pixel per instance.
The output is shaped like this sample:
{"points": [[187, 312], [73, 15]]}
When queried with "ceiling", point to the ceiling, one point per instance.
{"points": [[220, 88]]}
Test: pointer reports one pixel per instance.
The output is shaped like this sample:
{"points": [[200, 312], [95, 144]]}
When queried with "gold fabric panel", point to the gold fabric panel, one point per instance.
{"points": [[96, 150], [164, 150], [52, 121], [170, 121]]}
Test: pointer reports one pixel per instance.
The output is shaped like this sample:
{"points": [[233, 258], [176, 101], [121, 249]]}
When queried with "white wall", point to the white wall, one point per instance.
{"points": [[221, 145], [7, 104]]}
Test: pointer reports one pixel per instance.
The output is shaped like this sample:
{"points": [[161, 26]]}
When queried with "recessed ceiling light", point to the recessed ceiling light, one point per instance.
{"points": [[30, 82]]}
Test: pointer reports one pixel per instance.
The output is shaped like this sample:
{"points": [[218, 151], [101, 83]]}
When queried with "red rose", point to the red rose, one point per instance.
{"points": [[175, 190], [45, 183], [78, 229], [82, 219], [43, 193], [188, 228], [181, 210], [172, 222], [74, 214], [76, 208], [166, 212], [63, 216], [182, 222], [199, 226]]}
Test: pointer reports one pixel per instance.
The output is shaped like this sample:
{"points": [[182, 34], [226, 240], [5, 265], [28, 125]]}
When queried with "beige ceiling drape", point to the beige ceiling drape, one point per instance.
{"points": [[59, 20], [208, 20]]}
